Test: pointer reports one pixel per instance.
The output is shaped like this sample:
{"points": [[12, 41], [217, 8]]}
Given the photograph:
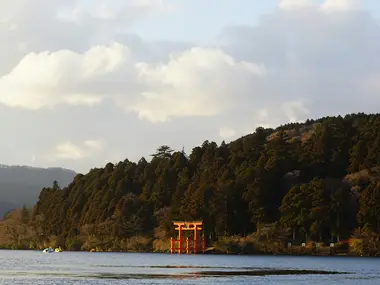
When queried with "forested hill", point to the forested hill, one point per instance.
{"points": [[319, 180], [21, 185]]}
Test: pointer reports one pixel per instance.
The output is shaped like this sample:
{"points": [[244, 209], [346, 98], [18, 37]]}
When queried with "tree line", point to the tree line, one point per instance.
{"points": [[318, 180]]}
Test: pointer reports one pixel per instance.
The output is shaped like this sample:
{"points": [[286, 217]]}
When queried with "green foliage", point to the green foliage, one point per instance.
{"points": [[303, 178], [237, 245], [163, 151], [369, 212], [161, 245]]}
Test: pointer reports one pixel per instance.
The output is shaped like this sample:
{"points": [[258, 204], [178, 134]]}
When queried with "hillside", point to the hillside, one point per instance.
{"points": [[21, 185], [317, 180]]}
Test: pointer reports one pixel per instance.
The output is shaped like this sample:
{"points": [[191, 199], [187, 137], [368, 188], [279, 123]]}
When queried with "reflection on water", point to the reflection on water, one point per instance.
{"points": [[29, 267], [191, 275]]}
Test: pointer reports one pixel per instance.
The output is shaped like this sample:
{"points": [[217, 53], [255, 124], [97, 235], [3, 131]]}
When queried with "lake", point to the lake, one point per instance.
{"points": [[34, 267]]}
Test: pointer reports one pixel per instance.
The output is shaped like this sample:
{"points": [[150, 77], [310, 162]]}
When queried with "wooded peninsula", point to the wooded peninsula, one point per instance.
{"points": [[316, 183]]}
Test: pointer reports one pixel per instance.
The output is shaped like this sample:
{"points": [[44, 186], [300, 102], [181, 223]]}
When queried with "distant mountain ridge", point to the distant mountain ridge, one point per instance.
{"points": [[21, 185], [34, 167]]}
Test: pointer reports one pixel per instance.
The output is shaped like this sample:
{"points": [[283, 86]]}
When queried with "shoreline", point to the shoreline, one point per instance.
{"points": [[346, 255]]}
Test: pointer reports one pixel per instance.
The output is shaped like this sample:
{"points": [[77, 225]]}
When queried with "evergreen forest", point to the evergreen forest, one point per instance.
{"points": [[316, 181]]}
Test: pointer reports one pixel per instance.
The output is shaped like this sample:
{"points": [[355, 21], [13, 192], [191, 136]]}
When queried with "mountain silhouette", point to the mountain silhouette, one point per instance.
{"points": [[21, 185]]}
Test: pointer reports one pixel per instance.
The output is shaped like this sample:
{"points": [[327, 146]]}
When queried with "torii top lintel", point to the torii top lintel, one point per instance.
{"points": [[185, 225]]}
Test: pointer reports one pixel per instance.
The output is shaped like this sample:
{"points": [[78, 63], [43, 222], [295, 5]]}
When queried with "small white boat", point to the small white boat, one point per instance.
{"points": [[48, 250]]}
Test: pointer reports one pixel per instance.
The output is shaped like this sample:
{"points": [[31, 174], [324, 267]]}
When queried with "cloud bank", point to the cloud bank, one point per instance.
{"points": [[303, 60]]}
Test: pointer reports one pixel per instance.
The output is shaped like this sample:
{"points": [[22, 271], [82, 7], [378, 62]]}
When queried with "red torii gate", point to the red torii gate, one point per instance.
{"points": [[196, 227]]}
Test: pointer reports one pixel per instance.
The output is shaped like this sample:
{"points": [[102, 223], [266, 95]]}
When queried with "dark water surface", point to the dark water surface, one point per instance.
{"points": [[35, 268]]}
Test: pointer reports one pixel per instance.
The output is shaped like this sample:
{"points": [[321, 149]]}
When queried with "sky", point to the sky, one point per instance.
{"points": [[83, 83]]}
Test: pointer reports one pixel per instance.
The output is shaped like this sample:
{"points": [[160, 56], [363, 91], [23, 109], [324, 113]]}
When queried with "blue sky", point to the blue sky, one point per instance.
{"points": [[190, 24]]}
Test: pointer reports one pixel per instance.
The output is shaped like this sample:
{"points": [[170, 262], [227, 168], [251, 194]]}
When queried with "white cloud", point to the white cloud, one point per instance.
{"points": [[319, 64], [295, 111], [327, 5], [294, 4], [50, 78], [263, 114], [76, 25], [93, 145], [112, 11], [227, 132], [341, 5], [197, 82], [77, 71], [70, 151]]}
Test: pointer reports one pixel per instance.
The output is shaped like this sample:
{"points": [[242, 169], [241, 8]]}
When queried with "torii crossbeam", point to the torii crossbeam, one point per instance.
{"points": [[198, 242]]}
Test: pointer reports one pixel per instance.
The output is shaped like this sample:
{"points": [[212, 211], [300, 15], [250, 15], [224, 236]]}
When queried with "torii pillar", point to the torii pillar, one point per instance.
{"points": [[196, 227]]}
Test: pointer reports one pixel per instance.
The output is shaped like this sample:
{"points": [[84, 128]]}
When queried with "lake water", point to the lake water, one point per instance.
{"points": [[33, 267]]}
